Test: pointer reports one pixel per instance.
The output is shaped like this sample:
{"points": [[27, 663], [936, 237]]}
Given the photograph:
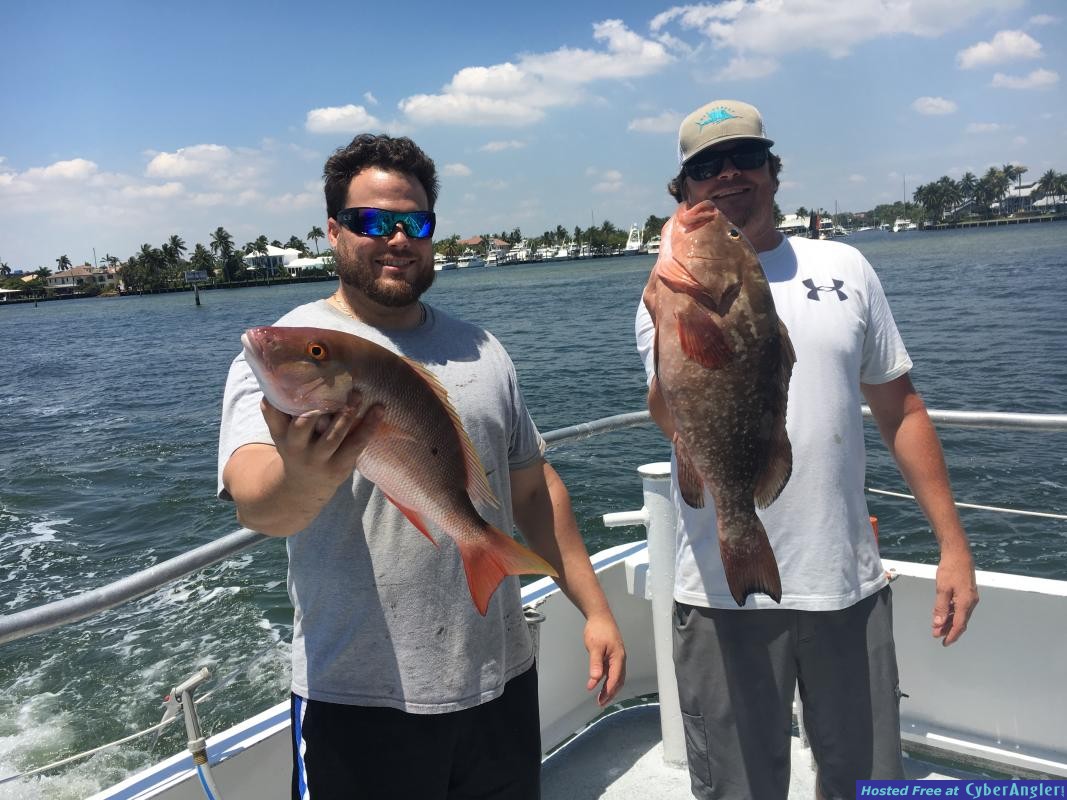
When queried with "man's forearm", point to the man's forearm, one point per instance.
{"points": [[546, 520], [917, 451], [267, 500]]}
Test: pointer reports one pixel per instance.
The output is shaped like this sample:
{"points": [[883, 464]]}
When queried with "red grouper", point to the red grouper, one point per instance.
{"points": [[722, 362], [419, 455]]}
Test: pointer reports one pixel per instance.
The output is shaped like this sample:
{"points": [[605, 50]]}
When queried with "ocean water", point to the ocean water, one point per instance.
{"points": [[108, 422]]}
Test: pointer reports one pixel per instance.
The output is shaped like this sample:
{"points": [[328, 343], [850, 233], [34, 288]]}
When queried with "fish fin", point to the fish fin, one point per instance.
{"points": [[478, 488], [788, 354], [779, 467], [749, 563], [690, 484], [779, 464], [489, 558], [676, 277], [702, 339], [414, 518]]}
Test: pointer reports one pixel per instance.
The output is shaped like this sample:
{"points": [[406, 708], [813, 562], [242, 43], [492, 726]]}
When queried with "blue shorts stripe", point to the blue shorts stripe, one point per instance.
{"points": [[299, 704]]}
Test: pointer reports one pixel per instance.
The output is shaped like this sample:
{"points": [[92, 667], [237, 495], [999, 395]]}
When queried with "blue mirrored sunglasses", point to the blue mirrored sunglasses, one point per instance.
{"points": [[380, 222], [744, 158]]}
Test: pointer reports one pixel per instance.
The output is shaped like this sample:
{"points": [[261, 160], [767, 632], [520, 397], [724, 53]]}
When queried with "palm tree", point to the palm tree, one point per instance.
{"points": [[64, 262], [221, 242], [201, 260], [177, 245], [259, 246], [222, 246], [450, 248], [967, 185], [314, 235], [5, 270], [295, 243]]}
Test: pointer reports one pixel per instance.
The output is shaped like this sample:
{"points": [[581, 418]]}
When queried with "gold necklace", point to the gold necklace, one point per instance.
{"points": [[339, 301]]}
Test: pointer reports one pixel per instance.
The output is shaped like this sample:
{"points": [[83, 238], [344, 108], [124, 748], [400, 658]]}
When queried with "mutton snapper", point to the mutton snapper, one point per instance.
{"points": [[723, 361], [419, 455]]}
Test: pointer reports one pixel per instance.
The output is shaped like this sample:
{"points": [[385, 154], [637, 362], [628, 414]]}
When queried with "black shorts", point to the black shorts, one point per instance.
{"points": [[489, 752]]}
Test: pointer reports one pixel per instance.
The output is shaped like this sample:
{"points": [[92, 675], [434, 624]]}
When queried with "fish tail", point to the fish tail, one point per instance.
{"points": [[492, 556], [750, 564]]}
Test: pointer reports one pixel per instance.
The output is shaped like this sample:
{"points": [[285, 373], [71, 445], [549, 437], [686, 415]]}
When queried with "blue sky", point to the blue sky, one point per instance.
{"points": [[125, 122]]}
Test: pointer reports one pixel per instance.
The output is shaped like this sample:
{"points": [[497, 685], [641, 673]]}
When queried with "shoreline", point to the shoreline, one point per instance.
{"points": [[169, 290]]}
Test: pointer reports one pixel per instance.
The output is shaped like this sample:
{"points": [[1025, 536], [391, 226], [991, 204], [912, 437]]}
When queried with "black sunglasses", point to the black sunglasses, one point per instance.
{"points": [[745, 157], [379, 222]]}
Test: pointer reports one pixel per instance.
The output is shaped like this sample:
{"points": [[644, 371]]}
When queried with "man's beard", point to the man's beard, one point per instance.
{"points": [[358, 274]]}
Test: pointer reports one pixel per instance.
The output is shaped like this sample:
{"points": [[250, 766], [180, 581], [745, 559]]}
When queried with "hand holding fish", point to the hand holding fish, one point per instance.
{"points": [[322, 450]]}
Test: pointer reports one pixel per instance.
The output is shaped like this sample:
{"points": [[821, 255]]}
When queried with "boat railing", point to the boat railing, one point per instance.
{"points": [[20, 624], [68, 610]]}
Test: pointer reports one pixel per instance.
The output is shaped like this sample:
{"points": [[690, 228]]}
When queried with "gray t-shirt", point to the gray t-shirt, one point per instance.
{"points": [[382, 617]]}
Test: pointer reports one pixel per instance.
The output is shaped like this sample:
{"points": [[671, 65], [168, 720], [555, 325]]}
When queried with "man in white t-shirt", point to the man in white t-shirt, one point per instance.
{"points": [[832, 633]]}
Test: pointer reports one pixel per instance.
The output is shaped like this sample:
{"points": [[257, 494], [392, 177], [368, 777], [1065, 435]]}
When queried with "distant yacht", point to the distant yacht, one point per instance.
{"points": [[653, 244], [633, 241], [520, 252], [470, 259], [440, 263], [901, 225]]}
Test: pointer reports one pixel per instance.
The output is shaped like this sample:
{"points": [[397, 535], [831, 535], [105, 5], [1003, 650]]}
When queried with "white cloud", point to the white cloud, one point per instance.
{"points": [[517, 93], [199, 159], [1038, 79], [743, 68], [295, 201], [667, 122], [498, 146], [1005, 46], [459, 170], [854, 178], [76, 169], [340, 119], [610, 180], [1019, 141], [985, 127], [153, 192], [934, 106], [1039, 20], [752, 32], [370, 98]]}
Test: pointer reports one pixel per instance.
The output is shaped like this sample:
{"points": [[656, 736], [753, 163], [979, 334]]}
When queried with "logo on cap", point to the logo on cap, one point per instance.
{"points": [[715, 116]]}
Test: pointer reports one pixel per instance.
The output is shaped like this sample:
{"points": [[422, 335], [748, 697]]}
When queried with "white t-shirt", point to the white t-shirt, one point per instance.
{"points": [[843, 332]]}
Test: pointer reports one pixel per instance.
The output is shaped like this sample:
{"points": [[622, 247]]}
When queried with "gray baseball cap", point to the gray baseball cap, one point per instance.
{"points": [[717, 122]]}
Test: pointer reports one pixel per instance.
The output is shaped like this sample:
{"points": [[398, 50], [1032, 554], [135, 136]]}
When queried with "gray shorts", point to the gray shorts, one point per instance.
{"points": [[736, 676]]}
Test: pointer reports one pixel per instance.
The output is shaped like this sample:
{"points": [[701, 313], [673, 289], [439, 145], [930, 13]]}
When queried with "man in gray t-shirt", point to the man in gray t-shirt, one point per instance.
{"points": [[390, 657]]}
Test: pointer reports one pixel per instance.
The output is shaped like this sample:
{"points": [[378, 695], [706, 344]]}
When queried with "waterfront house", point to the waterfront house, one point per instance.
{"points": [[77, 279], [274, 261], [298, 266]]}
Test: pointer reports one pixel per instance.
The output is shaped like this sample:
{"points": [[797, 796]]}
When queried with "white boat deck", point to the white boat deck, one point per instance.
{"points": [[621, 757]]}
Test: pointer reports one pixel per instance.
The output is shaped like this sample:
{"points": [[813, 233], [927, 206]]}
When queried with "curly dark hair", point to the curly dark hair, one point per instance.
{"points": [[674, 186], [398, 154]]}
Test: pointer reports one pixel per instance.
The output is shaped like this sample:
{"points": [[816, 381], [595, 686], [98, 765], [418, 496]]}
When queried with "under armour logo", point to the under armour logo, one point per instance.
{"points": [[814, 293]]}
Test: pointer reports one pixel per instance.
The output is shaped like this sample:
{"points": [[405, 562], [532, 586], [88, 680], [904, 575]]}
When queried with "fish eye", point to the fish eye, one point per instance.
{"points": [[317, 351], [734, 233]]}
